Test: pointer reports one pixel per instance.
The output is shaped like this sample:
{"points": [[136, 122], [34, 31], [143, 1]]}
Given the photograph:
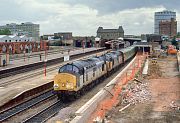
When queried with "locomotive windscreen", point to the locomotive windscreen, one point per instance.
{"points": [[69, 68]]}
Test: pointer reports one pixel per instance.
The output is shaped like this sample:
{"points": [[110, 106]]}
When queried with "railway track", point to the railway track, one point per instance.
{"points": [[37, 72], [42, 54], [31, 67], [40, 117], [22, 107], [6, 82], [46, 113], [51, 111]]}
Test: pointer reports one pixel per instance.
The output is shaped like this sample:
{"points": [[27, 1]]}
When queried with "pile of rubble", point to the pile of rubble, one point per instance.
{"points": [[154, 71], [174, 105], [136, 92]]}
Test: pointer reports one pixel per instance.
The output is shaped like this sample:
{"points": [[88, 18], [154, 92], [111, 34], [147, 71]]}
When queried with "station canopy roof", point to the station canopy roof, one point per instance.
{"points": [[127, 49]]}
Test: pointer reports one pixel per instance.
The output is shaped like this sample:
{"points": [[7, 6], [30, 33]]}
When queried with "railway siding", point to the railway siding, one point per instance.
{"points": [[6, 114], [40, 64], [12, 93], [26, 95]]}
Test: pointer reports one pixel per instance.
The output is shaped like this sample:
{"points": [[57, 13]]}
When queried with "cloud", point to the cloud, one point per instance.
{"points": [[86, 22], [82, 17], [111, 6]]}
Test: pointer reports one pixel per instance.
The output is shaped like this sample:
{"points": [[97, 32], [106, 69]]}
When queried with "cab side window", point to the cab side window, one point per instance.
{"points": [[86, 76], [94, 70], [102, 67]]}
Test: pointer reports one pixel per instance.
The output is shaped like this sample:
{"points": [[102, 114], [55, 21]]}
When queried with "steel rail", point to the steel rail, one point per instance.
{"points": [[12, 111], [46, 113], [39, 71]]}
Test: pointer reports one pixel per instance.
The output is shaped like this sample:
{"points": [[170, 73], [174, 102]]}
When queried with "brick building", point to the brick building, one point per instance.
{"points": [[110, 34], [63, 35], [165, 15], [20, 47], [168, 28], [86, 41]]}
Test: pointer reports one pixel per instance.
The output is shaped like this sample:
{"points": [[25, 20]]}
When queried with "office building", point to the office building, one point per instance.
{"points": [[162, 16], [29, 29]]}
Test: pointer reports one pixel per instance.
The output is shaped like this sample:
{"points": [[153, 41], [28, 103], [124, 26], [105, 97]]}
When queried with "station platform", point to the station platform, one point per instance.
{"points": [[52, 50], [11, 91], [31, 60]]}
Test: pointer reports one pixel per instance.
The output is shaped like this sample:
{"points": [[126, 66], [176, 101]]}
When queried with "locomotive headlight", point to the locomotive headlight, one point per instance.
{"points": [[56, 86], [63, 84], [69, 85]]}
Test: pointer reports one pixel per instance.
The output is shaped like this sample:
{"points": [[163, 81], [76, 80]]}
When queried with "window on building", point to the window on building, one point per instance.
{"points": [[16, 40], [9, 40], [5, 40]]}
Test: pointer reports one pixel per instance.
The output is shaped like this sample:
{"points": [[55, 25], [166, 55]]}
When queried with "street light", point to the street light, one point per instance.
{"points": [[62, 41], [62, 37], [45, 60]]}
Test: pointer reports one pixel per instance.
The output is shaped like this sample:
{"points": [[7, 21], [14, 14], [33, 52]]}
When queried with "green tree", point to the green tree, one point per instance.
{"points": [[5, 32]]}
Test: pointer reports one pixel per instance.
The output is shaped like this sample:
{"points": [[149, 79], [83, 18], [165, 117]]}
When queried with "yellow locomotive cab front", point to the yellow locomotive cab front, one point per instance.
{"points": [[65, 81]]}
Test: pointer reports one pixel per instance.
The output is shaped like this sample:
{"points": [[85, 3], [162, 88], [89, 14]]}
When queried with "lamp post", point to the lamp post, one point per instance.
{"points": [[62, 38], [45, 58], [24, 55], [45, 51], [6, 59], [62, 41], [82, 43]]}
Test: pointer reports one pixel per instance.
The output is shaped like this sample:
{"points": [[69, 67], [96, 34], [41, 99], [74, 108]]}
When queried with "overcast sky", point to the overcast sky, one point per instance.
{"points": [[83, 17]]}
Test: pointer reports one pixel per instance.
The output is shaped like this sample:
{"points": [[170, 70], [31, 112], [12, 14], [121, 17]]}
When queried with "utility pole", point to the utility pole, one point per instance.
{"points": [[62, 40], [24, 55]]}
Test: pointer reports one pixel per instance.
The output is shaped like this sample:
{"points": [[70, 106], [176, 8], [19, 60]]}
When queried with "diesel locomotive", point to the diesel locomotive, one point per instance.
{"points": [[74, 79]]}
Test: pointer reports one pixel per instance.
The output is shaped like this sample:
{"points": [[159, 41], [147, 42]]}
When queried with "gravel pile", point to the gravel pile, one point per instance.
{"points": [[136, 92], [175, 105], [63, 116]]}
